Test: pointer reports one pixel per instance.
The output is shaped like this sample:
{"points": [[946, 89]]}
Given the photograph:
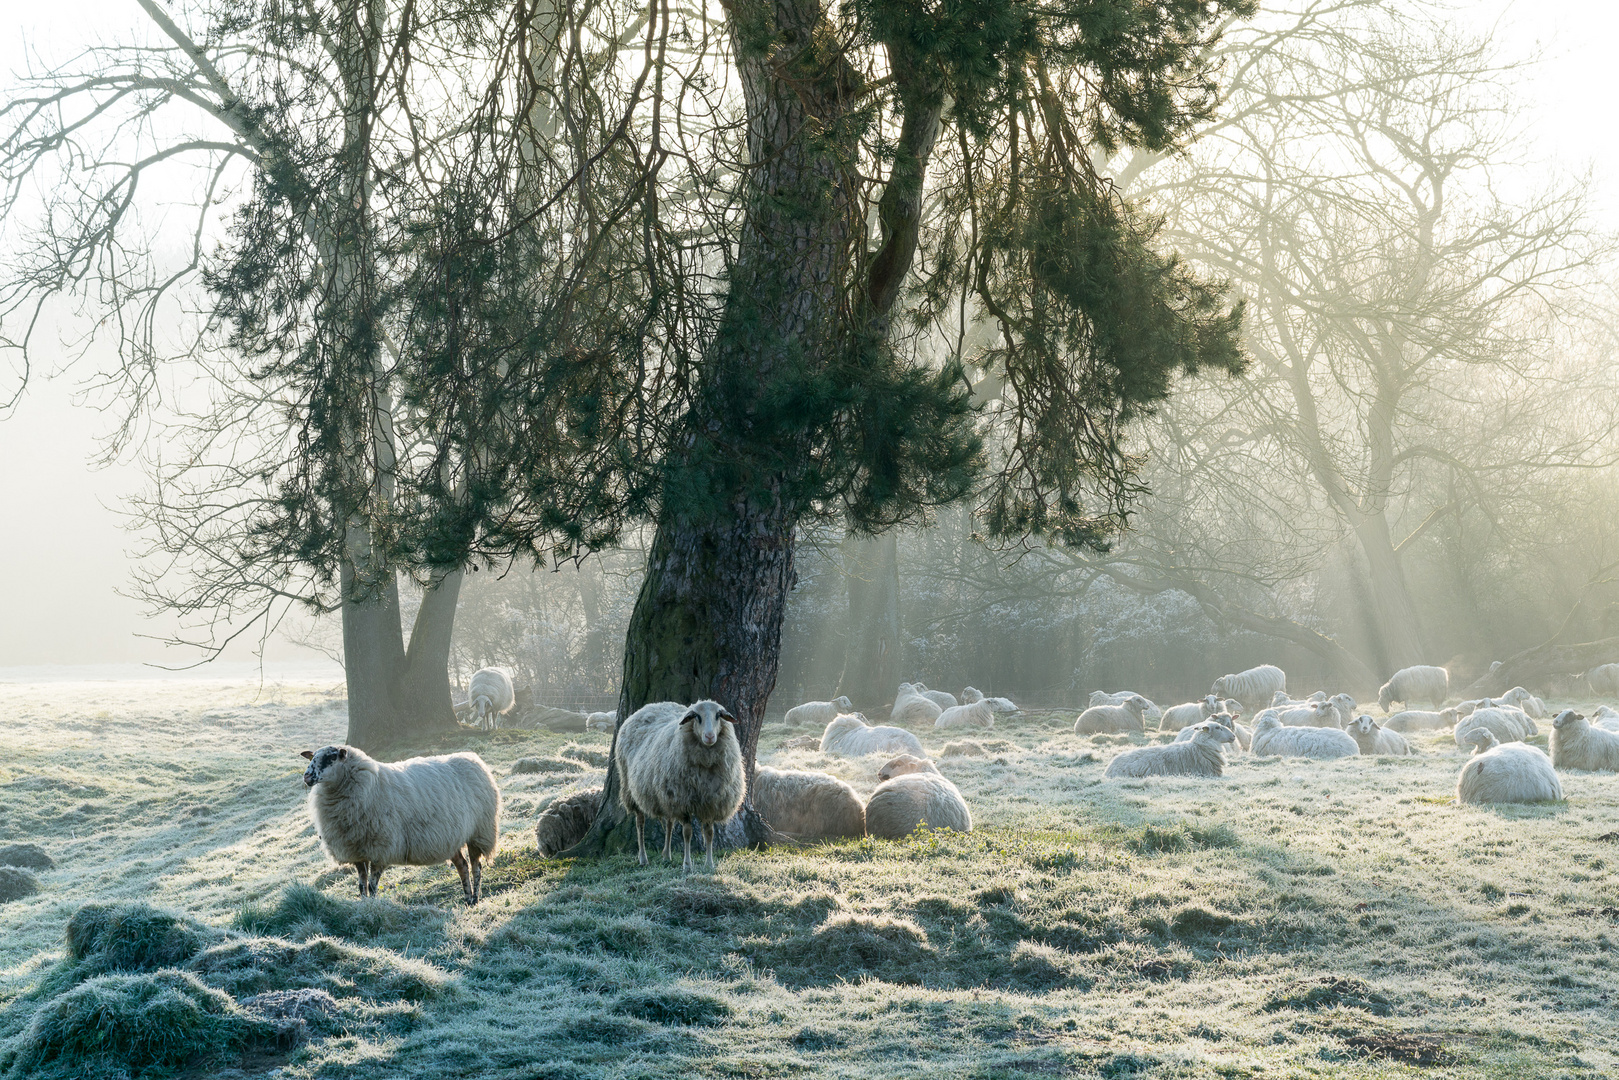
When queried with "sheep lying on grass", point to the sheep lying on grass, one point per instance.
{"points": [[1185, 715], [676, 763], [819, 712], [417, 812], [1507, 725], [1373, 739], [1506, 773], [850, 736], [911, 707], [1307, 714], [904, 765], [1603, 680], [1112, 719], [976, 715], [491, 695], [1575, 744], [1244, 738], [1419, 720], [602, 721], [899, 805], [969, 695], [1346, 707], [1153, 714], [565, 822], [1271, 739], [808, 805], [1421, 682], [943, 699], [1523, 699], [1201, 755], [1254, 687]]}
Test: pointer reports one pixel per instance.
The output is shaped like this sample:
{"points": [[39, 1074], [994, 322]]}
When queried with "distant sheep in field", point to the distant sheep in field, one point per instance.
{"points": [[899, 805], [1271, 739], [1418, 720], [1603, 680], [602, 721], [1244, 737], [565, 822], [1153, 714], [1374, 739], [491, 695], [1113, 719], [1422, 682], [904, 765], [976, 715], [1575, 744], [1000, 704], [808, 805], [418, 812], [1606, 718], [911, 707], [943, 699], [1200, 755], [819, 713], [676, 763], [1507, 773], [1526, 701], [1254, 687], [849, 736]]}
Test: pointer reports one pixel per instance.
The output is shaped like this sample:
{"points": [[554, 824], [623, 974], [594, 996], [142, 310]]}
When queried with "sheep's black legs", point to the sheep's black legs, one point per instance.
{"points": [[361, 869], [708, 843], [640, 837], [459, 861], [376, 876], [476, 857]]}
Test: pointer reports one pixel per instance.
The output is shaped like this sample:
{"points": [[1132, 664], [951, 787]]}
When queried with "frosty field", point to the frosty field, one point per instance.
{"points": [[1337, 919]]}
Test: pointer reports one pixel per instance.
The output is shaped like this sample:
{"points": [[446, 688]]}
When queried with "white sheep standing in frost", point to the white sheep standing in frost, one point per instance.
{"points": [[1575, 744], [1420, 682], [819, 713], [1420, 720], [1153, 714], [1375, 740], [1254, 687], [1523, 699], [851, 736], [676, 763], [969, 695], [1271, 739], [1603, 679], [899, 805], [1506, 773], [911, 707], [1228, 719], [1200, 755], [1113, 719], [808, 805], [491, 695], [976, 715], [373, 814]]}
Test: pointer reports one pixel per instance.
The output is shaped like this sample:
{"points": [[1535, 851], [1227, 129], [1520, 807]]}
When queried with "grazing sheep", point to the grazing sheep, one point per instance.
{"points": [[976, 715], [1271, 739], [1373, 739], [491, 695], [910, 707], [1603, 679], [899, 805], [602, 721], [1419, 720], [1506, 773], [1576, 744], [849, 736], [1200, 755], [1346, 709], [1526, 701], [1253, 687], [1422, 682], [808, 805], [565, 822], [1112, 719], [904, 765], [819, 713], [1244, 737], [1154, 714], [942, 698], [677, 763], [1504, 725], [417, 812]]}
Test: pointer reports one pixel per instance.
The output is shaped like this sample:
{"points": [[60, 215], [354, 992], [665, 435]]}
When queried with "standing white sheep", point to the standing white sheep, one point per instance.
{"points": [[1421, 682], [1271, 739], [491, 695], [911, 707], [976, 715], [1603, 680], [1111, 719], [808, 805], [819, 713], [899, 805], [1575, 744], [1374, 739], [417, 812], [677, 763], [1507, 773], [1200, 755], [1254, 687], [850, 736]]}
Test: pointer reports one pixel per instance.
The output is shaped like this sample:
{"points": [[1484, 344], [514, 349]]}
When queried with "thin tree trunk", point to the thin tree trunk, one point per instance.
{"points": [[428, 696], [1395, 613], [871, 652], [373, 659]]}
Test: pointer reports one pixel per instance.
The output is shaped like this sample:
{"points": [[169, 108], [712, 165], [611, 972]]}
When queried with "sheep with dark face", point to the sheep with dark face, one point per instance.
{"points": [[676, 763], [491, 695], [418, 812]]}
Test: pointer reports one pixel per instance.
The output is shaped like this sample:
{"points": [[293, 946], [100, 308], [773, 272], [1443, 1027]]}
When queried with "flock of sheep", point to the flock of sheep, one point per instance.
{"points": [[683, 764]]}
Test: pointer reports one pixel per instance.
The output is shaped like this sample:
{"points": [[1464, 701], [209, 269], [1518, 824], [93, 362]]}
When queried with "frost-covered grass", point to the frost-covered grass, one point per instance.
{"points": [[1339, 919]]}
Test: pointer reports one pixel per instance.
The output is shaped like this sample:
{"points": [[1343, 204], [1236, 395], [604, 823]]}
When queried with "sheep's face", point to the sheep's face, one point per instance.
{"points": [[843, 704], [1449, 717], [1385, 698], [323, 762], [1218, 689], [1363, 724], [706, 719], [1324, 710], [1211, 731], [1136, 704], [905, 763], [1566, 718]]}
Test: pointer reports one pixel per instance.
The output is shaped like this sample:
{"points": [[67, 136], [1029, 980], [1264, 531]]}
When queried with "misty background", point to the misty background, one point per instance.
{"points": [[966, 615]]}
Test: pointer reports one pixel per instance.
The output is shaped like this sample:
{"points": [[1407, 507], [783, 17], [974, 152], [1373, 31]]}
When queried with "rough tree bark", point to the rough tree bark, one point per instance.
{"points": [[871, 653]]}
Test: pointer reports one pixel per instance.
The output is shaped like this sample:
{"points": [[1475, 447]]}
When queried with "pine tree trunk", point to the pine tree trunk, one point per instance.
{"points": [[373, 660], [871, 652], [430, 701]]}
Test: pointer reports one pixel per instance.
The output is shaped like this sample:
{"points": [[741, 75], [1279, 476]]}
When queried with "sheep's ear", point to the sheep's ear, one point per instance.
{"points": [[343, 754], [688, 718], [307, 755], [725, 714]]}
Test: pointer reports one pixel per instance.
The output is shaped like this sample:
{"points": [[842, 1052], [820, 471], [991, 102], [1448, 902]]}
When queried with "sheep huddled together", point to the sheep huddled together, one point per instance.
{"points": [[677, 763], [372, 814], [970, 696], [1152, 713]]}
